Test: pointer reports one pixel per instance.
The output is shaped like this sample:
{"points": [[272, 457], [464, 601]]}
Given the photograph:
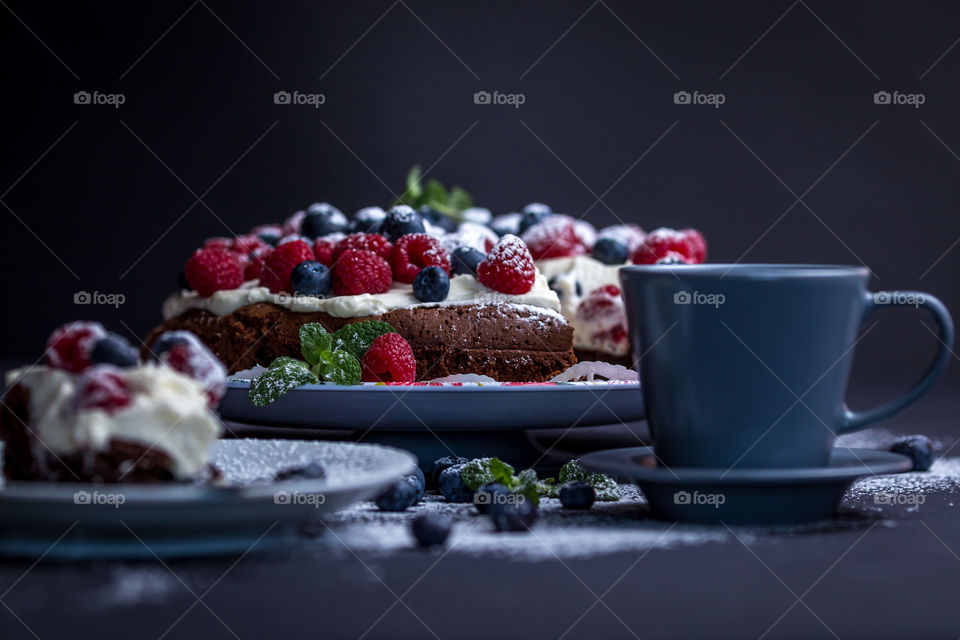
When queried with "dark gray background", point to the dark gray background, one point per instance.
{"points": [[199, 120]]}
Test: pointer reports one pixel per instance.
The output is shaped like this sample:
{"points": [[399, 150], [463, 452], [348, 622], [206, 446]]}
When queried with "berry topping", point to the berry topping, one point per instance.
{"points": [[629, 234], [538, 208], [688, 243], [168, 340], [389, 359], [400, 221], [464, 260], [114, 349], [554, 237], [364, 242], [508, 268], [323, 219], [917, 448], [292, 224], [432, 284], [603, 310], [69, 346], [267, 229], [323, 249], [586, 233], [531, 218], [450, 484], [191, 357], [673, 257], [247, 244], [277, 267], [255, 265], [477, 215], [506, 223], [218, 243], [471, 234], [611, 251], [311, 278], [358, 272], [577, 495], [102, 387], [368, 220], [438, 219], [212, 269], [413, 252], [431, 529]]}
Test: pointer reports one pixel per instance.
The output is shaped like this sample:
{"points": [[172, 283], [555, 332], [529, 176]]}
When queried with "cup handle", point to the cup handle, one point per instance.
{"points": [[854, 420]]}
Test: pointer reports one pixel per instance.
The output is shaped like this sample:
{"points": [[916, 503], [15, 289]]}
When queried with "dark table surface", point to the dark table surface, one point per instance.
{"points": [[888, 571]]}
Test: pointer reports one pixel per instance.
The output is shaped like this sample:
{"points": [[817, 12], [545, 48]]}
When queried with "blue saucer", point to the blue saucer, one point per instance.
{"points": [[744, 496]]}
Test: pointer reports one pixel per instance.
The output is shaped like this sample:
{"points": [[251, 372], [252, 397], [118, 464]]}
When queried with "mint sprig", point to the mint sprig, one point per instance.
{"points": [[434, 195], [284, 374], [480, 471], [358, 336]]}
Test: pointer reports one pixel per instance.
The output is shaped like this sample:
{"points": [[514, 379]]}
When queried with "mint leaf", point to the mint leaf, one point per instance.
{"points": [[604, 486], [501, 472], [314, 340], [477, 472], [435, 193], [357, 337], [339, 367], [284, 374], [414, 190], [459, 199], [528, 485]]}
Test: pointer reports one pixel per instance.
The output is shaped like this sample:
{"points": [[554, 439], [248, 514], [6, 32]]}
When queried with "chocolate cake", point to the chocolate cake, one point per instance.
{"points": [[508, 342]]}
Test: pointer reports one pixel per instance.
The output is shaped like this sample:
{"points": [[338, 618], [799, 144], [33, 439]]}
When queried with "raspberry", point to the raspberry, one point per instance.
{"points": [[212, 269], [217, 243], [508, 268], [193, 359], [389, 359], [554, 237], [697, 243], [292, 224], [323, 249], [602, 313], [69, 346], [267, 229], [672, 257], [360, 272], [102, 387], [277, 267], [365, 242], [658, 243], [254, 266], [413, 252], [629, 234], [247, 244]]}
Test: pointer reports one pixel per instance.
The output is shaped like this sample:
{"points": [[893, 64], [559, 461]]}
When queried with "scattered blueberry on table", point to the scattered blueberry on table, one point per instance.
{"points": [[490, 493], [431, 529], [399, 496], [432, 470], [308, 471], [917, 448], [513, 515], [452, 487], [577, 495]]}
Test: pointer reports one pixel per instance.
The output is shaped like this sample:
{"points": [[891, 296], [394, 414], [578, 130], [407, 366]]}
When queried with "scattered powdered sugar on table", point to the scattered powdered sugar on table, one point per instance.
{"points": [[608, 527], [130, 586], [943, 477]]}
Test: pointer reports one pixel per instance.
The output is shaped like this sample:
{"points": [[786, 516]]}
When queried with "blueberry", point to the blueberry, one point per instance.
{"points": [[506, 223], [530, 218], [610, 251], [554, 284], [270, 238], [322, 219], [538, 208], [917, 448], [432, 470], [432, 284], [169, 340], [368, 220], [452, 487], [438, 219], [114, 349], [479, 215], [670, 260], [309, 471], [400, 221], [398, 496], [419, 483], [513, 515], [464, 260], [490, 493], [311, 278], [577, 495], [431, 529]]}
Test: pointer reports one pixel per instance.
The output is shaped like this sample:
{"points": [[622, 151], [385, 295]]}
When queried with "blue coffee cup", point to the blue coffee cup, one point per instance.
{"points": [[746, 365]]}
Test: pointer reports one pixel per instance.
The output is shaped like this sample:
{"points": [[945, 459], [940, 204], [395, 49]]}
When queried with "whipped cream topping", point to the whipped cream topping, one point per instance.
{"points": [[590, 274], [464, 289], [168, 413]]}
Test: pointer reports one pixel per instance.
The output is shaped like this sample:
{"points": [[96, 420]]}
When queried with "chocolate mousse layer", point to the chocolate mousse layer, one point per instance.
{"points": [[508, 342]]}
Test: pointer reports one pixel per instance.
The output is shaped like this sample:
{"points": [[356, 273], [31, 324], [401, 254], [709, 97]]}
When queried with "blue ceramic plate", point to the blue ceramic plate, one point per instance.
{"points": [[745, 496], [74, 521]]}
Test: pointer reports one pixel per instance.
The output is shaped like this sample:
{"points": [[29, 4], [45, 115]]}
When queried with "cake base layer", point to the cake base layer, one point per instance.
{"points": [[26, 458], [510, 343]]}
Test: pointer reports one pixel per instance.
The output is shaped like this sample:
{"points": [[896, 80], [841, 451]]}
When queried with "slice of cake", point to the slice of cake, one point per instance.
{"points": [[95, 413], [466, 301]]}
